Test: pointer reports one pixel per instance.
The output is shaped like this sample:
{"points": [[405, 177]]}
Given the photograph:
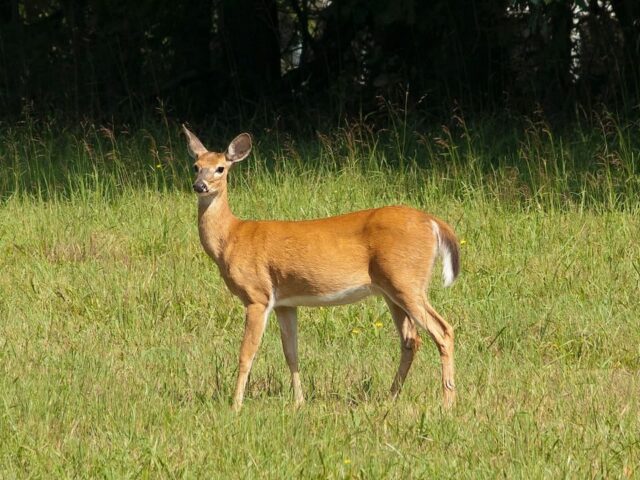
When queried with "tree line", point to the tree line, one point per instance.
{"points": [[116, 58]]}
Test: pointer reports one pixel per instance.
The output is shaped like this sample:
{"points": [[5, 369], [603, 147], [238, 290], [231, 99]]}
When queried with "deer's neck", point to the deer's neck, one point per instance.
{"points": [[215, 223]]}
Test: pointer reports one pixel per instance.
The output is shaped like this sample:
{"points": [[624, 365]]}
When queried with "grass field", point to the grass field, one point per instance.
{"points": [[119, 342]]}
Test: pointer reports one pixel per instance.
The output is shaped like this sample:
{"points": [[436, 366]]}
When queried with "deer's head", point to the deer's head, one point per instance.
{"points": [[211, 168]]}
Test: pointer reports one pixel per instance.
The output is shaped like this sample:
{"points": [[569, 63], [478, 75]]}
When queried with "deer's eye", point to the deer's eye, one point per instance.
{"points": [[195, 168], [219, 169]]}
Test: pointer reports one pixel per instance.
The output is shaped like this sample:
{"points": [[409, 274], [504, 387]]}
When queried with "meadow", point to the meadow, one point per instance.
{"points": [[119, 341]]}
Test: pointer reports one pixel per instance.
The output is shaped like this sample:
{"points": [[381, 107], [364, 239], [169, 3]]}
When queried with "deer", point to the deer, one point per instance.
{"points": [[273, 265]]}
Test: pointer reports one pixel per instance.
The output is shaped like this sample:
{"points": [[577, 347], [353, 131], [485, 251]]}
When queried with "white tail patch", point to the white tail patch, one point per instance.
{"points": [[443, 250]]}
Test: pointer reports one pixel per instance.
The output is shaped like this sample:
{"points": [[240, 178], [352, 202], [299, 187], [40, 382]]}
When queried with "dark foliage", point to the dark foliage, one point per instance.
{"points": [[219, 58]]}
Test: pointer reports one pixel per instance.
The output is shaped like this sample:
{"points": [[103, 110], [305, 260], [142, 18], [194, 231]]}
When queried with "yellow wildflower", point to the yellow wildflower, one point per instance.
{"points": [[355, 331], [463, 241], [378, 324]]}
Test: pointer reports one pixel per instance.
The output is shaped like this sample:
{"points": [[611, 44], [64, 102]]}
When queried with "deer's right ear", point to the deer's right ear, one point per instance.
{"points": [[239, 148], [194, 145]]}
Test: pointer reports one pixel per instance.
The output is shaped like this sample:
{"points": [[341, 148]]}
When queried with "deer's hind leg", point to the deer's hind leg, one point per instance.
{"points": [[444, 340], [414, 302], [409, 344]]}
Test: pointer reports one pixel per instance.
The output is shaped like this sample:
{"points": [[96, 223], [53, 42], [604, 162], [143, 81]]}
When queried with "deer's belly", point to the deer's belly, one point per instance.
{"points": [[342, 297]]}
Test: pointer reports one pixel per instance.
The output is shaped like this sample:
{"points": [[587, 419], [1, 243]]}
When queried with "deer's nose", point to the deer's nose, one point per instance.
{"points": [[200, 187]]}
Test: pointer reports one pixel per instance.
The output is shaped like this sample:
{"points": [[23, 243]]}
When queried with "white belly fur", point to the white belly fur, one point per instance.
{"points": [[343, 297]]}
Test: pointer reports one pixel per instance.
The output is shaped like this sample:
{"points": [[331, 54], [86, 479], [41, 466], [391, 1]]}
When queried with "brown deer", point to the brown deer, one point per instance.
{"points": [[281, 265]]}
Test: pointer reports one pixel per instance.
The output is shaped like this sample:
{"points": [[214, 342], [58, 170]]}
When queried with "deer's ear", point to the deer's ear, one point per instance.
{"points": [[239, 148], [194, 145]]}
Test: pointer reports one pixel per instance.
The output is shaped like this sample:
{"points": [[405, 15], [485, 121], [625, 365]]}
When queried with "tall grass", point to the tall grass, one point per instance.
{"points": [[119, 341], [593, 163]]}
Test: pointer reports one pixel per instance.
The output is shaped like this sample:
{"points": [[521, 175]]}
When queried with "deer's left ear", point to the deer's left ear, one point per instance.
{"points": [[194, 145], [239, 148]]}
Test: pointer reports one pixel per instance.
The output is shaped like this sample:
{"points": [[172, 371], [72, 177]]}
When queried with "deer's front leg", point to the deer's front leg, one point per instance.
{"points": [[255, 323], [288, 320]]}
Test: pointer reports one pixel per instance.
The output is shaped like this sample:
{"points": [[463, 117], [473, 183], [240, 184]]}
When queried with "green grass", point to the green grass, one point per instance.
{"points": [[119, 342]]}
